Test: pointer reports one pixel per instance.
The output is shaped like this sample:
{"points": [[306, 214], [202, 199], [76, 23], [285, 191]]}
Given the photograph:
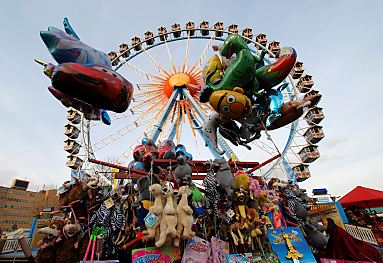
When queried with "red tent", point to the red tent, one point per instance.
{"points": [[363, 197]]}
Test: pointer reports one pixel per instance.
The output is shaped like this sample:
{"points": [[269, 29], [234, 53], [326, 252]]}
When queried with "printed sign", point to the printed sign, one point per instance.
{"points": [[290, 245]]}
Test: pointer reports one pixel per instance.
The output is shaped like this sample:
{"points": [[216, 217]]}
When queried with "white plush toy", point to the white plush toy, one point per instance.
{"points": [[168, 221], [185, 214], [157, 208]]}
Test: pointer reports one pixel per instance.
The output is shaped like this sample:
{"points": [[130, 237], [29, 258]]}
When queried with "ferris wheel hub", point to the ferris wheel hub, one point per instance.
{"points": [[178, 79]]}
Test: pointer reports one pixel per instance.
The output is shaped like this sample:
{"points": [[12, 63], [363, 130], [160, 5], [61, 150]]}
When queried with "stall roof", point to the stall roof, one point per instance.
{"points": [[363, 197]]}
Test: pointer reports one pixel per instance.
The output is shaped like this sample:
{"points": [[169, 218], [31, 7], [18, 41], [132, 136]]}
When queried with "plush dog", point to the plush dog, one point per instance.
{"points": [[168, 220], [156, 209], [184, 214]]}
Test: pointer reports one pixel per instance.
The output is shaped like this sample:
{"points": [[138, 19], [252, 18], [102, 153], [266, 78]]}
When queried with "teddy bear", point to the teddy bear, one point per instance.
{"points": [[183, 171], [153, 230], [224, 176], [168, 219], [184, 215]]}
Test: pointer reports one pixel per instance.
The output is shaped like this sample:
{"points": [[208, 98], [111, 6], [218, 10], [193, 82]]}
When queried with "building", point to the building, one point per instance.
{"points": [[18, 206]]}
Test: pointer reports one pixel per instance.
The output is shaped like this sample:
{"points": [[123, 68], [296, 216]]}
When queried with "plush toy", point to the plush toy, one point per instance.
{"points": [[184, 215], [109, 216], [277, 215], [242, 180], [168, 220], [77, 191], [224, 176], [240, 200], [153, 230], [47, 252], [253, 221], [198, 201], [211, 184], [67, 243], [183, 171], [237, 239], [254, 187], [144, 196], [92, 192], [263, 200]]}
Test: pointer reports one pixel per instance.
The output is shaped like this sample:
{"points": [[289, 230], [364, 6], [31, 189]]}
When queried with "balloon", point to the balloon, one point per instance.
{"points": [[66, 48], [213, 64], [167, 152], [139, 152], [292, 110], [149, 156], [210, 130], [138, 166], [84, 78], [275, 97], [98, 86], [167, 143], [240, 73], [273, 74], [230, 104], [181, 150]]}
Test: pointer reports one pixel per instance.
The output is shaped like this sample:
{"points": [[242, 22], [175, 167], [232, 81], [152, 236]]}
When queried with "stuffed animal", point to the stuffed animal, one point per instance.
{"points": [[92, 193], [240, 200], [47, 252], [109, 216], [184, 215], [277, 215], [168, 220], [153, 230], [68, 242], [242, 180], [253, 221], [198, 201], [144, 196], [237, 239], [76, 192], [254, 187], [224, 176], [211, 184], [183, 171]]}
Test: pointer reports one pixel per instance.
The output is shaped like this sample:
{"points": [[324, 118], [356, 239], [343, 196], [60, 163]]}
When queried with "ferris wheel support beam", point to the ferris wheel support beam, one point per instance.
{"points": [[161, 121]]}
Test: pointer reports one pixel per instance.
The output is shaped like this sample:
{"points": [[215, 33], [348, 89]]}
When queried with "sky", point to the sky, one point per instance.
{"points": [[339, 42]]}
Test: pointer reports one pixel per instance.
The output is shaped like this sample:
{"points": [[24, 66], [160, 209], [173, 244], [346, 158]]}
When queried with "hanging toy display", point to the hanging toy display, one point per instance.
{"points": [[165, 206]]}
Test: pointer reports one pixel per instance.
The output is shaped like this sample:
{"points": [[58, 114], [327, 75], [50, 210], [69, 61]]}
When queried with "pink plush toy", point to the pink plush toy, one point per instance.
{"points": [[254, 187]]}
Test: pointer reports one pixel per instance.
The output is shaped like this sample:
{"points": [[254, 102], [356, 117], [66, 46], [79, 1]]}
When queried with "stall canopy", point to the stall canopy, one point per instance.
{"points": [[363, 197]]}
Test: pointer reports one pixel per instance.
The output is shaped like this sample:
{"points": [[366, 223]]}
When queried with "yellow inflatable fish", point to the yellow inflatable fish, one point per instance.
{"points": [[212, 63], [230, 104]]}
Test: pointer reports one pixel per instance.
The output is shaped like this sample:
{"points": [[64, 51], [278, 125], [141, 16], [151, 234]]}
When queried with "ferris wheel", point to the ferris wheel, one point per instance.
{"points": [[165, 69]]}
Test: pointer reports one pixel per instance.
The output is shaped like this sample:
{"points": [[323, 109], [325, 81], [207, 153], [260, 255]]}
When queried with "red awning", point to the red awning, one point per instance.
{"points": [[363, 197]]}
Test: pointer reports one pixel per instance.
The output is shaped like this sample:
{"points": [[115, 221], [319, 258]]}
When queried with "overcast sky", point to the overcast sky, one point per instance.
{"points": [[339, 42]]}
